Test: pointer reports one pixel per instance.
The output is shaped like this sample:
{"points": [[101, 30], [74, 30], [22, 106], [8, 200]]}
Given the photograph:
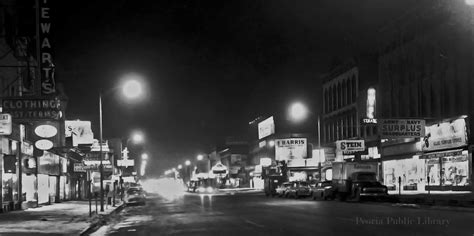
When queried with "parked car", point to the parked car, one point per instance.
{"points": [[282, 189], [323, 190], [299, 189], [135, 196], [192, 186]]}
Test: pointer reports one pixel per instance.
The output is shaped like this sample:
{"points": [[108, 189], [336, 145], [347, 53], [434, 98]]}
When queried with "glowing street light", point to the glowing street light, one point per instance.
{"points": [[132, 89], [144, 156], [187, 162], [470, 2], [137, 137], [180, 167], [298, 111], [200, 157]]}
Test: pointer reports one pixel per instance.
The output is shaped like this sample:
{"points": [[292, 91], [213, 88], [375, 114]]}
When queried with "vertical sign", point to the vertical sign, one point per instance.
{"points": [[48, 85]]}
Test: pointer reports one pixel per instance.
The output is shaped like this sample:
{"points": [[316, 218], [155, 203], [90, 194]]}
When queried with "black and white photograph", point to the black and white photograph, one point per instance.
{"points": [[236, 117]]}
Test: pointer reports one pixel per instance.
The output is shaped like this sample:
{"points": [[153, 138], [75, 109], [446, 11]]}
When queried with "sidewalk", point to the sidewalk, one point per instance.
{"points": [[436, 199], [66, 218]]}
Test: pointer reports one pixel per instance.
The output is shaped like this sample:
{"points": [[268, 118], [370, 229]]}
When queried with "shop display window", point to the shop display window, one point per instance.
{"points": [[455, 170], [433, 170]]}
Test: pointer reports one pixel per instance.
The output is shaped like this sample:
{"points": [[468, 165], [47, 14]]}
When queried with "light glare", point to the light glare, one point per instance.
{"points": [[132, 89]]}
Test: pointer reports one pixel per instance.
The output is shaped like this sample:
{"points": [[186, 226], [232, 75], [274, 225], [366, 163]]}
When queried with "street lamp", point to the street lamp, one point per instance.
{"points": [[180, 167], [137, 137], [199, 157], [187, 162], [131, 91], [298, 112]]}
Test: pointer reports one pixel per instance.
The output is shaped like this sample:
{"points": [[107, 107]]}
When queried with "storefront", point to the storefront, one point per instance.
{"points": [[28, 180], [48, 177], [438, 162], [8, 170]]}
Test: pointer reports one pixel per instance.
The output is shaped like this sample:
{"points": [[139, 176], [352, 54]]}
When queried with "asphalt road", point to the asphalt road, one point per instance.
{"points": [[255, 214]]}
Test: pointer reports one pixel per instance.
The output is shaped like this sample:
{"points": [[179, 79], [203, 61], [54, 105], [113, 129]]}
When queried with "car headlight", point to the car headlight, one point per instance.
{"points": [[201, 189], [209, 189], [364, 189]]}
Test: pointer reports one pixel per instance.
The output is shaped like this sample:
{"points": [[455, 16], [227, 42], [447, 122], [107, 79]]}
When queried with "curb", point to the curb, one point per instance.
{"points": [[95, 225]]}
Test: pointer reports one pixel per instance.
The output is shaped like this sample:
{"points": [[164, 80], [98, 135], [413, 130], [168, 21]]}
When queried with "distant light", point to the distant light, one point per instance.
{"points": [[470, 2], [180, 167], [265, 161], [137, 137], [132, 89], [144, 156], [187, 162], [271, 143], [298, 111], [200, 157], [174, 169]]}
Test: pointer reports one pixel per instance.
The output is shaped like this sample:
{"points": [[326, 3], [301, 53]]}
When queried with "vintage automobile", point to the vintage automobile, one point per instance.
{"points": [[135, 196], [298, 189], [282, 189], [323, 190]]}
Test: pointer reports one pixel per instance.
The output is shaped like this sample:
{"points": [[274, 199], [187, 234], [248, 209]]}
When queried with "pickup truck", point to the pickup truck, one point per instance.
{"points": [[354, 180]]}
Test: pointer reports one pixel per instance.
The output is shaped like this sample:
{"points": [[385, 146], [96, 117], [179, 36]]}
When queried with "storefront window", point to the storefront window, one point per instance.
{"points": [[455, 170], [433, 171], [28, 188]]}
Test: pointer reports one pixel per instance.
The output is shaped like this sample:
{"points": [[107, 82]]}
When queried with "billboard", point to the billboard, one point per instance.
{"points": [[80, 131], [266, 128], [401, 128], [350, 146], [291, 148], [445, 135]]}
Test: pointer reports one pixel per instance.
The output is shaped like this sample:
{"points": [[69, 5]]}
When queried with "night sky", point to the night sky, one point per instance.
{"points": [[210, 66]]}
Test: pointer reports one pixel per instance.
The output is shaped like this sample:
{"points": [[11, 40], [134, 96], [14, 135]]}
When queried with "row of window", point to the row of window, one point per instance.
{"points": [[341, 94], [341, 128]]}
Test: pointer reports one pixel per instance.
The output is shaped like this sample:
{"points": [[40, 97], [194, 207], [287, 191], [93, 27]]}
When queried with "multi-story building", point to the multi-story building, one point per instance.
{"points": [[349, 106], [426, 67]]}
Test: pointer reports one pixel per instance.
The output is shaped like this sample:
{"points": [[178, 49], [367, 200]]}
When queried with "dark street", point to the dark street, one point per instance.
{"points": [[255, 214]]}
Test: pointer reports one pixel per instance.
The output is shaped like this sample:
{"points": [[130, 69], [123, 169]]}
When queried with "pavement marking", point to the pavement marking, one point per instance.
{"points": [[255, 224]]}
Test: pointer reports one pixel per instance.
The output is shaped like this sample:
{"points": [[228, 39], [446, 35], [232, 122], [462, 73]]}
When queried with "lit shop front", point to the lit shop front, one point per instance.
{"points": [[438, 162], [48, 174], [8, 172]]}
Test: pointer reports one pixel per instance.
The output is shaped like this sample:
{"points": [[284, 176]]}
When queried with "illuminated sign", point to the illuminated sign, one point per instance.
{"points": [[291, 148], [265, 161], [401, 128], [80, 131], [79, 167], [48, 85], [369, 121], [22, 109], [370, 103], [96, 147], [126, 163], [266, 128], [5, 124], [350, 146], [46, 131], [44, 144], [445, 135]]}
